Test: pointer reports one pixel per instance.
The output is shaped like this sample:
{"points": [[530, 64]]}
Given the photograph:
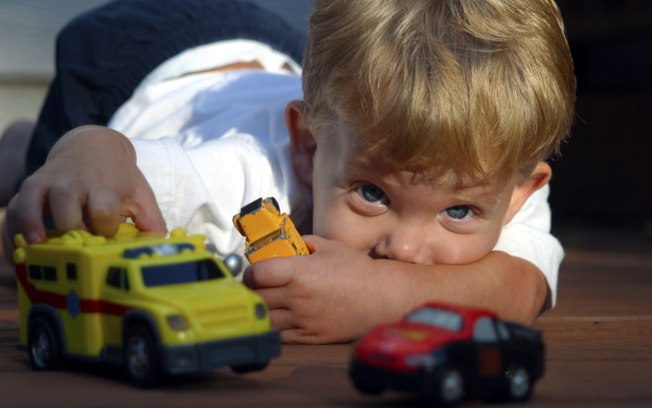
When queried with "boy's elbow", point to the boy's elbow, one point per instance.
{"points": [[537, 301], [530, 293]]}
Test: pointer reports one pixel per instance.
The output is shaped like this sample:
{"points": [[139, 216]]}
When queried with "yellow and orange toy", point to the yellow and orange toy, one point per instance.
{"points": [[268, 232], [155, 304]]}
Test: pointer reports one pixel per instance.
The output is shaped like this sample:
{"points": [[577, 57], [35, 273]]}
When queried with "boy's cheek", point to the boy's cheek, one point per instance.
{"points": [[464, 249], [465, 256], [344, 229]]}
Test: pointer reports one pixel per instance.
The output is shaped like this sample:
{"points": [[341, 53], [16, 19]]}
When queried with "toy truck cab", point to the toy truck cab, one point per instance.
{"points": [[268, 233], [156, 305]]}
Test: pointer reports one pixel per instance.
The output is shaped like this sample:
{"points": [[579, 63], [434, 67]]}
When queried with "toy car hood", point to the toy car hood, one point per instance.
{"points": [[405, 338]]}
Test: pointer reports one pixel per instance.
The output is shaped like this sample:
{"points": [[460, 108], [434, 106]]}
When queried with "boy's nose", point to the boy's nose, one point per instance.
{"points": [[406, 245]]}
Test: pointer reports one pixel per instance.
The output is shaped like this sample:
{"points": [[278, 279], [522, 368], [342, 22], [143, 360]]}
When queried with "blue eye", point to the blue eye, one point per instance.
{"points": [[459, 212], [372, 193]]}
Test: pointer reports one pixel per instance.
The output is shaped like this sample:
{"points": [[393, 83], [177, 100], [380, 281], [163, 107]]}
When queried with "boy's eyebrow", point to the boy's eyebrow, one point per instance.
{"points": [[357, 164], [349, 166], [484, 196]]}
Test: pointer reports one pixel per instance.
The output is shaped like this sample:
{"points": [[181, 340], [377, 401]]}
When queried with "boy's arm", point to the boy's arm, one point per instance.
{"points": [[527, 236], [336, 293], [90, 179]]}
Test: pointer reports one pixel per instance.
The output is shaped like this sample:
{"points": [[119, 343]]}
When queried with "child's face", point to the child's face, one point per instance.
{"points": [[365, 203]]}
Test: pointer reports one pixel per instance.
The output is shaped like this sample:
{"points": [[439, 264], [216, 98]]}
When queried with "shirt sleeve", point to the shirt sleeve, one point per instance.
{"points": [[197, 200], [528, 236]]}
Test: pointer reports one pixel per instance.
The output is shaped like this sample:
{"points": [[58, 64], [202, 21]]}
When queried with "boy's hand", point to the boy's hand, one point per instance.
{"points": [[90, 180], [332, 295]]}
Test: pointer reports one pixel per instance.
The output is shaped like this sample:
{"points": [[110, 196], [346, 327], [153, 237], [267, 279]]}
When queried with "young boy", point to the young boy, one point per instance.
{"points": [[415, 160]]}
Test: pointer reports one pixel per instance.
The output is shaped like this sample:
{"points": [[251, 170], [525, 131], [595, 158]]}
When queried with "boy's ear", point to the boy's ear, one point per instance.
{"points": [[537, 179], [302, 142]]}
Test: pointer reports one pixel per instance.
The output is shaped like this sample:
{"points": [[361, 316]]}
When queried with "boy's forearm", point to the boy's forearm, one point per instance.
{"points": [[510, 286]]}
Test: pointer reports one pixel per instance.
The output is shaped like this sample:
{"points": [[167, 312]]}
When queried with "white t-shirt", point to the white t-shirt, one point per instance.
{"points": [[210, 142]]}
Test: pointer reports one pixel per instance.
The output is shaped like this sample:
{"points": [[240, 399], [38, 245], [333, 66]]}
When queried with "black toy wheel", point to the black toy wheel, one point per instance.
{"points": [[141, 357], [449, 390], [43, 345], [366, 387], [519, 384], [249, 368]]}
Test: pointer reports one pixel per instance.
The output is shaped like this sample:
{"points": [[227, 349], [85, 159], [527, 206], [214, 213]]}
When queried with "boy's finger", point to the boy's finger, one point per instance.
{"points": [[281, 319], [262, 275], [145, 213], [299, 336], [25, 214], [275, 298], [66, 207], [7, 245], [103, 212], [313, 242]]}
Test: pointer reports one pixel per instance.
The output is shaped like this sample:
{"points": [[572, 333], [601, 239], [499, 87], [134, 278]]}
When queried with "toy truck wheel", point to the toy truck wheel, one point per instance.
{"points": [[43, 345], [249, 368], [141, 357]]}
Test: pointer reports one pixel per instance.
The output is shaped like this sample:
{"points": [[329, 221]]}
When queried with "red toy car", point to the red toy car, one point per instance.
{"points": [[447, 354]]}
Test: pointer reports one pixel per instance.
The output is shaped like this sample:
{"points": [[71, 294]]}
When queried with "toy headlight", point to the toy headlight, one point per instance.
{"points": [[260, 311], [177, 322]]}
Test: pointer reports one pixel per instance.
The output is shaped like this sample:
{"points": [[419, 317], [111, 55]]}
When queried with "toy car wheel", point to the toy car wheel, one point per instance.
{"points": [[366, 387], [519, 386], [450, 388], [141, 357], [43, 345]]}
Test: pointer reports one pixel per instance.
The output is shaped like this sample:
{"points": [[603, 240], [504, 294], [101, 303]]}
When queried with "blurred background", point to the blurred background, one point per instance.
{"points": [[27, 34], [601, 190]]}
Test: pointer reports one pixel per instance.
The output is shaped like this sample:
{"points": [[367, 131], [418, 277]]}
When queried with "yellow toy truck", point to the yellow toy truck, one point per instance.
{"points": [[268, 233], [155, 305]]}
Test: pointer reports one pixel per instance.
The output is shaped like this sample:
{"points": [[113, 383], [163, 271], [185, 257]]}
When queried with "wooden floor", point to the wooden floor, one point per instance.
{"points": [[599, 354]]}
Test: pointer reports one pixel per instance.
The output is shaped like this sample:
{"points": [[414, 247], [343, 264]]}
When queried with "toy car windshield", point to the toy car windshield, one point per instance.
{"points": [[440, 318]]}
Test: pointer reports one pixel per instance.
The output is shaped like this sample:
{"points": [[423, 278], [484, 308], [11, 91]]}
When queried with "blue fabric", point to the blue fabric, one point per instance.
{"points": [[102, 55]]}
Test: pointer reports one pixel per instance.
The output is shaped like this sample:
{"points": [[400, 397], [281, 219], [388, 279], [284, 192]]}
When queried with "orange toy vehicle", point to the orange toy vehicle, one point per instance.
{"points": [[268, 233]]}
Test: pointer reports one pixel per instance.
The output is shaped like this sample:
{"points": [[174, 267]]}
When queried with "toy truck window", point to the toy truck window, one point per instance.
{"points": [[443, 319], [35, 272], [49, 273], [43, 273], [71, 271], [117, 278], [185, 272], [484, 331], [503, 333]]}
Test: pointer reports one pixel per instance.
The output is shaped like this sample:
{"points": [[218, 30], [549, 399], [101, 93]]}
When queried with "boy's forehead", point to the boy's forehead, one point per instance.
{"points": [[357, 156]]}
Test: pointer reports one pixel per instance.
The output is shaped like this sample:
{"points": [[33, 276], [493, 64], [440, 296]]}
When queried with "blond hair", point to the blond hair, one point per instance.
{"points": [[482, 88]]}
